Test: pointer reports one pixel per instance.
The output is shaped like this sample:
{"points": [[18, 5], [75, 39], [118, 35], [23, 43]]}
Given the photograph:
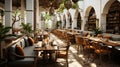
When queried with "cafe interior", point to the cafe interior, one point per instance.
{"points": [[59, 33]]}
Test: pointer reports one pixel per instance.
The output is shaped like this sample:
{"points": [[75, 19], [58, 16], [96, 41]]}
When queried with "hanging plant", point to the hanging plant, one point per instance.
{"points": [[68, 4], [74, 1], [74, 5], [61, 8]]}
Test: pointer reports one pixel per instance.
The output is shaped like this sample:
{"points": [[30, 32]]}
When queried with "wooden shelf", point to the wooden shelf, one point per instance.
{"points": [[113, 17]]}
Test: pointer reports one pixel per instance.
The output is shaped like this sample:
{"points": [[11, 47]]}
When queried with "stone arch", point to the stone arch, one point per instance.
{"points": [[77, 17], [90, 16], [64, 20], [104, 14], [69, 17]]}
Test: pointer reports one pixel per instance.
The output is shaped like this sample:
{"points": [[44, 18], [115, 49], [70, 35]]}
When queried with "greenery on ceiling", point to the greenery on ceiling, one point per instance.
{"points": [[62, 6], [75, 6]]}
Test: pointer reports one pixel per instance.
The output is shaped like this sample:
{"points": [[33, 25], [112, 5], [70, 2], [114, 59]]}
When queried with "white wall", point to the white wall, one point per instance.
{"points": [[98, 5]]}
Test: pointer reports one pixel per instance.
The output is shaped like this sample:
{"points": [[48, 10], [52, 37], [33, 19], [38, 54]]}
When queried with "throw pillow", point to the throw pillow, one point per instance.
{"points": [[31, 41], [19, 51]]}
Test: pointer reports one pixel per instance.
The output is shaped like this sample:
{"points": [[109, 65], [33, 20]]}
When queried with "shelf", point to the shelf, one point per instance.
{"points": [[113, 16]]}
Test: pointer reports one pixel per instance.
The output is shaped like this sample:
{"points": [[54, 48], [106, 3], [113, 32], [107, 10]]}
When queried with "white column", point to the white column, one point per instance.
{"points": [[8, 13], [37, 15], [103, 22], [22, 11], [30, 12], [74, 24]]}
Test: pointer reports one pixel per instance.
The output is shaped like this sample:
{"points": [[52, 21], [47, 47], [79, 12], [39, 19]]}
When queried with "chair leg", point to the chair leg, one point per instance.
{"points": [[100, 59], [67, 63], [35, 62]]}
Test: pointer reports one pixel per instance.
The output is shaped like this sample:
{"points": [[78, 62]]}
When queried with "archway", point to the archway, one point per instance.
{"points": [[104, 16], [91, 19], [79, 21], [113, 18], [69, 20], [64, 20]]}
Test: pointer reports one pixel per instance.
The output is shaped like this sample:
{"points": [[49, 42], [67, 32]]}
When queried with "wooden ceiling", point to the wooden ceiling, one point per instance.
{"points": [[15, 3], [42, 3]]}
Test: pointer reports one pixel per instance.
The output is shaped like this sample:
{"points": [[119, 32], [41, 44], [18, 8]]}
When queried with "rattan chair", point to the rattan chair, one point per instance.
{"points": [[79, 42], [101, 49], [88, 48], [63, 52]]}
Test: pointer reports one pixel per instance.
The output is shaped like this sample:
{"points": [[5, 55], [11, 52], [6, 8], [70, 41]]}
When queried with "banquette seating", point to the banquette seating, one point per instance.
{"points": [[21, 53]]}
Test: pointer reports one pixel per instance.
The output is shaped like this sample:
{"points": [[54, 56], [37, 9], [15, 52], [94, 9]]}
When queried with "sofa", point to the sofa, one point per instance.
{"points": [[21, 53]]}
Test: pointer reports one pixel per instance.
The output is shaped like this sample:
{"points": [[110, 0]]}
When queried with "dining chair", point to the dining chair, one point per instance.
{"points": [[79, 42], [88, 48], [63, 52], [101, 50]]}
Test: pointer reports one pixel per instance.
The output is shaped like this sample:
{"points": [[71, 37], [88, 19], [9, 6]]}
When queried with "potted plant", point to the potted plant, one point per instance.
{"points": [[4, 33], [97, 31], [26, 29]]}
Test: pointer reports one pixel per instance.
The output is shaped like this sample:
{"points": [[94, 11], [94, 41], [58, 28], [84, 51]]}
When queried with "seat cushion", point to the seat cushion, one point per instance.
{"points": [[29, 51]]}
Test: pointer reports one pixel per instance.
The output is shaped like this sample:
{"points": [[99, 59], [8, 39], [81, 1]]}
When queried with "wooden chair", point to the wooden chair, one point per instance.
{"points": [[101, 49], [89, 48], [79, 42], [63, 52]]}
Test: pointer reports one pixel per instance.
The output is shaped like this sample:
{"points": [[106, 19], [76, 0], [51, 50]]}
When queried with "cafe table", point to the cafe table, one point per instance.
{"points": [[109, 43], [46, 51]]}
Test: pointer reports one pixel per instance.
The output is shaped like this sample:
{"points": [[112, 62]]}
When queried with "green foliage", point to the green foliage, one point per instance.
{"points": [[58, 23], [97, 31], [4, 32], [61, 8], [26, 29], [16, 13], [47, 16], [74, 5]]}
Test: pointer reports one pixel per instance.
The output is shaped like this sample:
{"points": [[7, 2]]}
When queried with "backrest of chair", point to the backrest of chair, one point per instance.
{"points": [[103, 46], [96, 45], [99, 45], [76, 39], [80, 40], [86, 42]]}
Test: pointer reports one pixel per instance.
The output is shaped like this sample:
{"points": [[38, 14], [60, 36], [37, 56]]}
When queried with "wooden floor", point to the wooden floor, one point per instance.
{"points": [[80, 59]]}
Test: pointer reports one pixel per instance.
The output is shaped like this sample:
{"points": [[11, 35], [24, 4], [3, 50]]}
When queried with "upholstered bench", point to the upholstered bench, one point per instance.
{"points": [[21, 53]]}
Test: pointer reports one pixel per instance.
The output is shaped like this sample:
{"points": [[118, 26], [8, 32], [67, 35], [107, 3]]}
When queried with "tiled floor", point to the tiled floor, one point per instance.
{"points": [[80, 59]]}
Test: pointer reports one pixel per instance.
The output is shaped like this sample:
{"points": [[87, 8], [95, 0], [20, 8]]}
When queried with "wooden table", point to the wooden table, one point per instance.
{"points": [[109, 43], [46, 51]]}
